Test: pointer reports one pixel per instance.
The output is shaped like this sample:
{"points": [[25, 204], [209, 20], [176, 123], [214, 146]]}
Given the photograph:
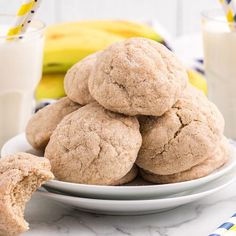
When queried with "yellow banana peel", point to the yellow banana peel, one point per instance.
{"points": [[197, 80], [123, 28], [68, 43], [51, 86]]}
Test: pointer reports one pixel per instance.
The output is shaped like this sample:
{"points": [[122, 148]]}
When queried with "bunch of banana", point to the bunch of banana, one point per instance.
{"points": [[68, 43]]}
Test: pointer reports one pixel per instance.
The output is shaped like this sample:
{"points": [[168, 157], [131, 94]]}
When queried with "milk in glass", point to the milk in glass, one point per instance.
{"points": [[20, 72], [219, 40]]}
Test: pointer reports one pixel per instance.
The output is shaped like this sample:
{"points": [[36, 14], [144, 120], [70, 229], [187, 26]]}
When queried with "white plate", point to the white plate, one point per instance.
{"points": [[20, 144], [138, 207]]}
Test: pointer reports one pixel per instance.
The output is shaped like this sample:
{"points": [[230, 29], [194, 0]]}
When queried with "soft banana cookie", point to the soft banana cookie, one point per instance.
{"points": [[20, 175], [137, 76], [216, 160], [42, 124], [129, 177], [183, 137], [94, 146], [76, 80]]}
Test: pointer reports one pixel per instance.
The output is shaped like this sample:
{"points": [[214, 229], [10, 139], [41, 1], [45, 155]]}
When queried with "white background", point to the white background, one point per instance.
{"points": [[178, 16]]}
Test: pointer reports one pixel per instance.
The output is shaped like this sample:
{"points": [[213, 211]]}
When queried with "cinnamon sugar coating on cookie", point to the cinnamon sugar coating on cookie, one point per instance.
{"points": [[94, 146], [137, 76], [129, 177], [76, 80], [42, 124], [183, 137], [20, 175], [218, 158]]}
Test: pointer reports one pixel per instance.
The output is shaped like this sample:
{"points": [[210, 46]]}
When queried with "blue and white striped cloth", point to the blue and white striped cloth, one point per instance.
{"points": [[226, 229]]}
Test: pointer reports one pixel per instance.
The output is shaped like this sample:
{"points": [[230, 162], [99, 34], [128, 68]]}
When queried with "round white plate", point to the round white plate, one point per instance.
{"points": [[132, 191], [138, 207]]}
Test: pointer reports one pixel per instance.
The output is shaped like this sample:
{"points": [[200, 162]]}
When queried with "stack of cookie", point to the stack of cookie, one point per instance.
{"points": [[127, 106]]}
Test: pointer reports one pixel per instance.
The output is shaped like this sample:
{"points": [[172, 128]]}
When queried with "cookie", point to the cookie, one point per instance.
{"points": [[76, 80], [216, 160], [42, 123], [20, 175], [94, 146], [183, 137], [129, 177], [137, 76]]}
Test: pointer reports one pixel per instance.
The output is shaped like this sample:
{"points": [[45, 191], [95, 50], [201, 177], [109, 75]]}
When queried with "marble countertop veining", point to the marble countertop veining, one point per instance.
{"points": [[49, 218]]}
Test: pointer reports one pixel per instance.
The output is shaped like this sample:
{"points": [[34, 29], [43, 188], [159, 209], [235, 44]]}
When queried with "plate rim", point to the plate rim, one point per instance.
{"points": [[212, 176], [155, 200]]}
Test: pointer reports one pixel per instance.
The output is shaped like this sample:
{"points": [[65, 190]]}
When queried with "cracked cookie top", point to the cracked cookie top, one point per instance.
{"points": [[183, 137], [42, 124], [76, 80], [94, 146], [218, 158], [137, 76]]}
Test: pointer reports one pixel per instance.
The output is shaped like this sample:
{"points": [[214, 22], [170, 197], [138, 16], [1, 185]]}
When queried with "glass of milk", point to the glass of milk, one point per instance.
{"points": [[219, 40], [20, 72]]}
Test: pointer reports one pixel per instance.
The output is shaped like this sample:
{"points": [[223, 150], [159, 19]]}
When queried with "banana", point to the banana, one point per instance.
{"points": [[122, 28], [197, 80], [68, 43], [51, 86], [66, 47]]}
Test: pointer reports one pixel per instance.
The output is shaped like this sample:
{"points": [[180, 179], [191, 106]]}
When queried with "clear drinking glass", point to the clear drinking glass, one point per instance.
{"points": [[219, 41], [20, 71]]}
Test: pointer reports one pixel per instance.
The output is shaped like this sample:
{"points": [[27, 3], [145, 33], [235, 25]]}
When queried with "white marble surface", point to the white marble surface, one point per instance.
{"points": [[49, 218]]}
